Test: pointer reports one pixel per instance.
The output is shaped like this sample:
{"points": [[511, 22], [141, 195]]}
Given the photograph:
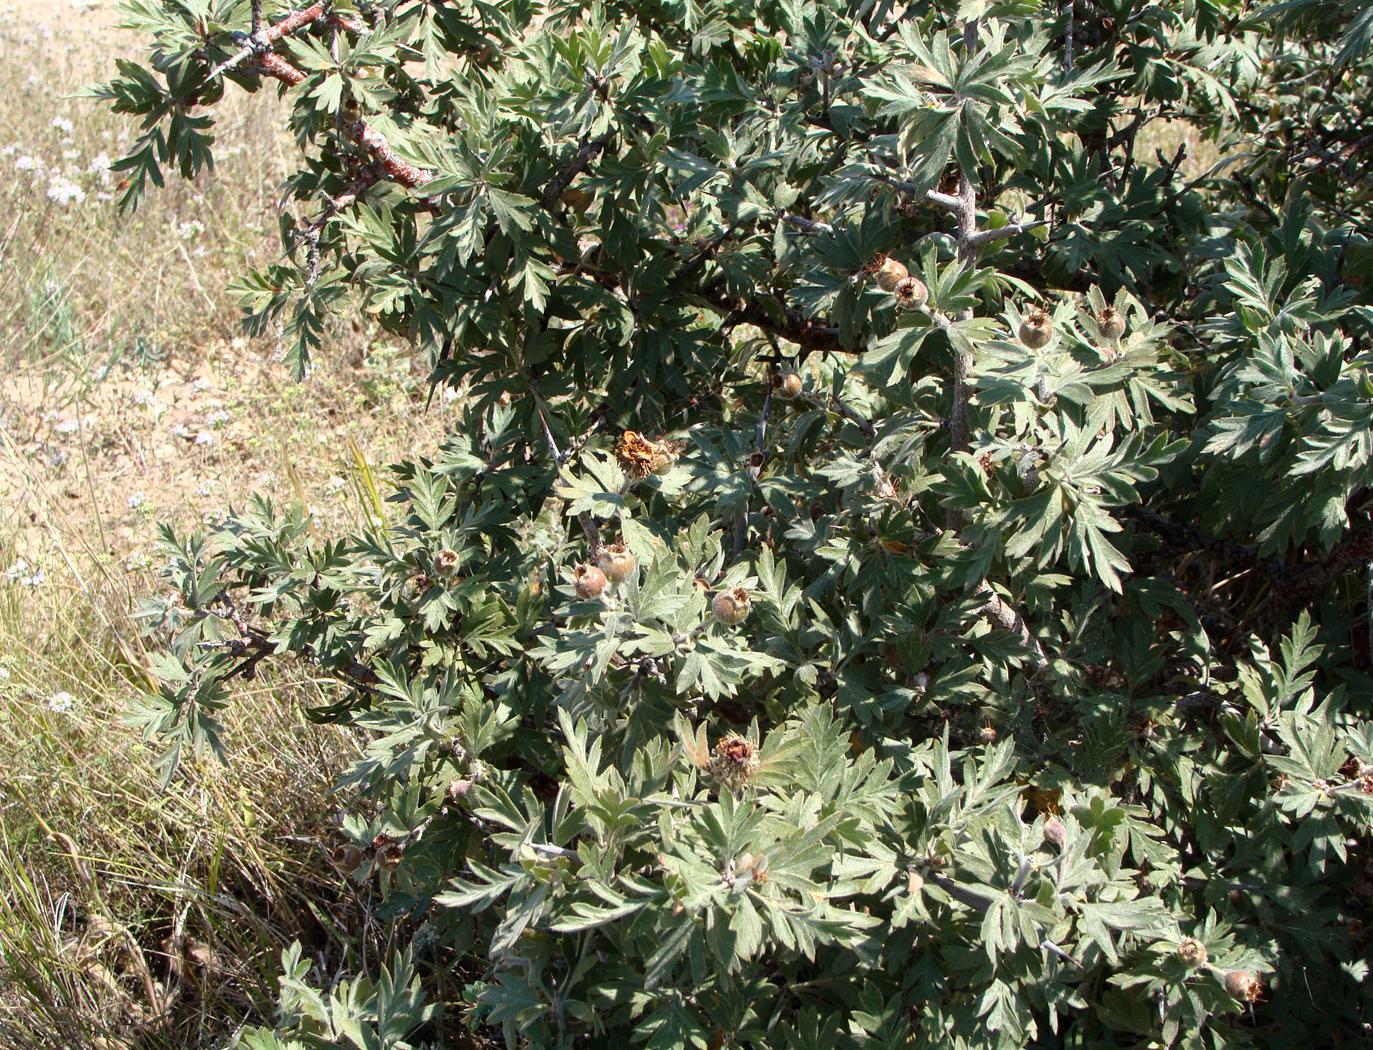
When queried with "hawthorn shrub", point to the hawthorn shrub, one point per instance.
{"points": [[902, 579]]}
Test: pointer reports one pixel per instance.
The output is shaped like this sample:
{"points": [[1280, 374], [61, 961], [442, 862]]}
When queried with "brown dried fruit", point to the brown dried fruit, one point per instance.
{"points": [[731, 606], [347, 856], [616, 561], [1192, 952], [1111, 323], [589, 581], [1036, 329], [911, 294], [1243, 985], [889, 272], [446, 562], [1055, 832], [787, 385]]}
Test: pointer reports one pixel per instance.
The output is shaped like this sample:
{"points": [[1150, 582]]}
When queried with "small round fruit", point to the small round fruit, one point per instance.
{"points": [[1055, 832], [890, 273], [1192, 952], [446, 562], [1036, 329], [787, 385], [731, 606], [348, 857], [911, 294], [1243, 985], [616, 562], [589, 581], [1111, 322]]}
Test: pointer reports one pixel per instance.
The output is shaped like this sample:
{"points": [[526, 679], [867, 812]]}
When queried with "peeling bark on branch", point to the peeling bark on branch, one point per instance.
{"points": [[1005, 617], [981, 237], [263, 39], [397, 170]]}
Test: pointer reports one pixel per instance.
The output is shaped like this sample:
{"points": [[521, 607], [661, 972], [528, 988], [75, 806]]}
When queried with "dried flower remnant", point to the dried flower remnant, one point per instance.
{"points": [[734, 762], [639, 456]]}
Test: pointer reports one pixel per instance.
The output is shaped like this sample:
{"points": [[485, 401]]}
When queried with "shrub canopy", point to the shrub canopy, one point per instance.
{"points": [[785, 651]]}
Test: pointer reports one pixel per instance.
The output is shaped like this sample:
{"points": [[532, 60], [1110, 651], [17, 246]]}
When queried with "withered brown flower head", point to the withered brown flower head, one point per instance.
{"points": [[735, 761], [639, 456]]}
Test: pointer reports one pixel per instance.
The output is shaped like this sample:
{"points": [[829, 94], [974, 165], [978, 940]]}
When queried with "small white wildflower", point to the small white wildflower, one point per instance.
{"points": [[142, 397], [137, 499], [68, 426], [99, 164], [71, 153], [16, 570], [218, 419], [449, 395], [201, 385], [205, 438], [137, 561], [336, 483], [181, 430], [4, 673], [34, 580], [61, 702], [10, 150], [189, 231], [207, 487], [62, 124], [28, 162], [65, 192]]}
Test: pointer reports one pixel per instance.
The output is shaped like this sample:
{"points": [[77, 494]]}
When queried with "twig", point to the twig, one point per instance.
{"points": [[755, 467], [962, 361], [981, 237], [263, 38], [1009, 620], [581, 160], [807, 225], [947, 201]]}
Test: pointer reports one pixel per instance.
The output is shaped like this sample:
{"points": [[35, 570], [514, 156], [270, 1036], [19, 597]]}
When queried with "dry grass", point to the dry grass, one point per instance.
{"points": [[130, 916]]}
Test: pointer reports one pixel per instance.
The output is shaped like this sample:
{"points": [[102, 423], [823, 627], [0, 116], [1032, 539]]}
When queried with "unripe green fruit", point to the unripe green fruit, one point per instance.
{"points": [[589, 581], [1036, 329], [616, 562], [731, 606]]}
